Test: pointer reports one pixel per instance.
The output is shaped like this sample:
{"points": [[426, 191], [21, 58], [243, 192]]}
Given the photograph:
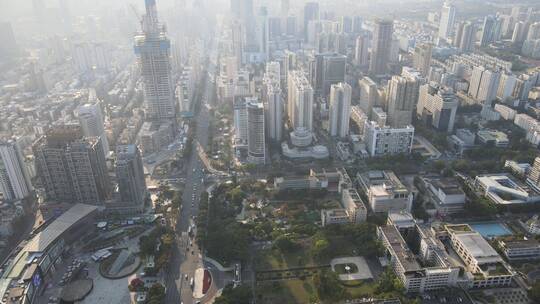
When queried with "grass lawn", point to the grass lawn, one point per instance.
{"points": [[275, 259], [289, 291], [340, 268], [366, 288]]}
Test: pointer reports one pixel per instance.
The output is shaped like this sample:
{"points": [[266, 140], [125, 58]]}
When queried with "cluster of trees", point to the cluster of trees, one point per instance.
{"points": [[328, 286], [388, 282], [534, 293], [157, 243], [156, 294], [239, 295], [218, 231]]}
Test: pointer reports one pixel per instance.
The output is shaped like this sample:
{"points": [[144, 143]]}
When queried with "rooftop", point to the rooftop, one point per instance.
{"points": [[41, 241]]}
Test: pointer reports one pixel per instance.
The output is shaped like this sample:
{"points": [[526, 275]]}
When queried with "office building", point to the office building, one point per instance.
{"points": [[91, 121], [422, 58], [385, 140], [381, 46], [14, 179], [71, 168], [240, 122], [300, 108], [361, 51], [273, 101], [256, 132], [437, 106], [130, 176], [369, 95], [402, 98], [311, 13], [491, 31], [152, 48], [329, 69], [262, 33], [446, 25], [8, 48], [340, 109]]}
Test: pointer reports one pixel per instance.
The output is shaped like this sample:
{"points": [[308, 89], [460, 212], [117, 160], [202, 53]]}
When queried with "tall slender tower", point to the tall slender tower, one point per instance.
{"points": [[273, 101], [380, 48], [300, 108], [422, 58], [14, 180], [256, 138], [152, 48], [448, 15], [340, 109], [130, 175]]}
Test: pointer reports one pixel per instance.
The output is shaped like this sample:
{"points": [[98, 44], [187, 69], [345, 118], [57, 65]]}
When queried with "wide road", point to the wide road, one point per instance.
{"points": [[186, 258]]}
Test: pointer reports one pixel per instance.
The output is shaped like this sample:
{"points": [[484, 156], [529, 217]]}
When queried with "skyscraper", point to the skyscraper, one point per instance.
{"points": [[262, 32], [152, 48], [91, 122], [71, 167], [437, 106], [311, 13], [340, 109], [273, 101], [330, 69], [446, 26], [300, 107], [402, 98], [256, 138], [422, 58], [14, 180], [361, 50], [8, 48], [484, 84], [533, 179], [240, 122], [466, 36], [491, 31], [369, 95], [130, 176], [380, 47]]}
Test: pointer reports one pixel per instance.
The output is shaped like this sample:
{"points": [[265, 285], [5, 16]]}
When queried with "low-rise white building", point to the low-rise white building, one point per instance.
{"points": [[504, 189], [385, 192], [486, 265], [520, 249], [492, 137], [429, 270], [506, 112]]}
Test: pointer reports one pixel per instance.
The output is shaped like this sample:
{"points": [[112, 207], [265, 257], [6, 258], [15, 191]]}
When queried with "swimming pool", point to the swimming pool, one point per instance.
{"points": [[491, 229]]}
